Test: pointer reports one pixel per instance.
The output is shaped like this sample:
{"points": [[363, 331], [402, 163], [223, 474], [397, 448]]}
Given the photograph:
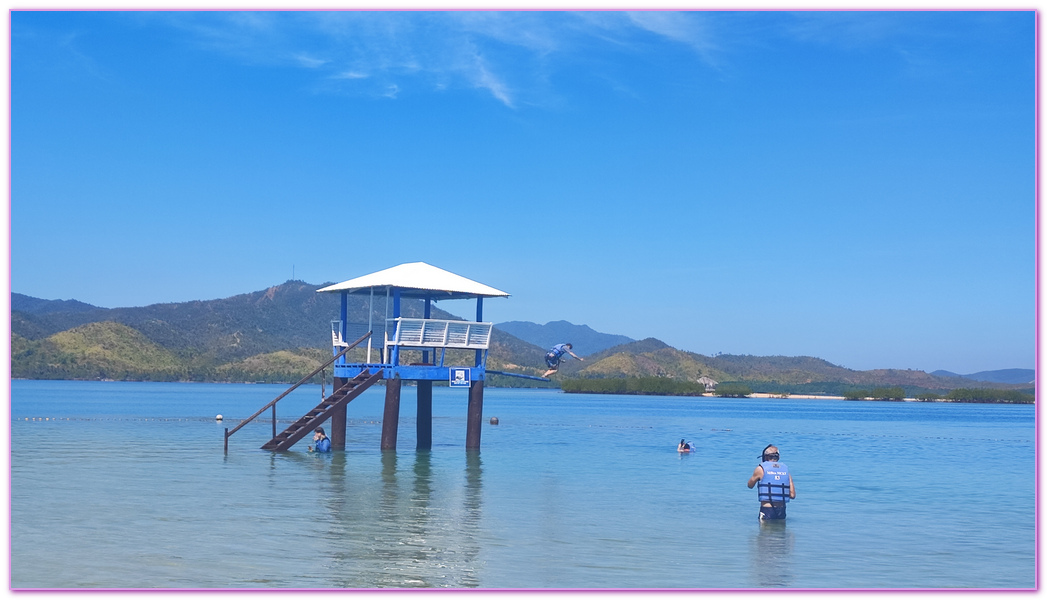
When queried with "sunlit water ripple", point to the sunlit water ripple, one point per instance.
{"points": [[568, 491]]}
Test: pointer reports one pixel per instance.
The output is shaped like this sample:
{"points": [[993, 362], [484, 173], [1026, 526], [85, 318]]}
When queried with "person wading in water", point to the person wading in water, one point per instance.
{"points": [[774, 485]]}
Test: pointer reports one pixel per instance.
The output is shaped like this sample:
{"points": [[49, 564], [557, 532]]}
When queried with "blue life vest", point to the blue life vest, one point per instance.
{"points": [[774, 485], [324, 445], [558, 350]]}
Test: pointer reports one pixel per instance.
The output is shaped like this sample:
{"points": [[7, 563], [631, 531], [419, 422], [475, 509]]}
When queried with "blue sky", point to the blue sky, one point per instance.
{"points": [[856, 186]]}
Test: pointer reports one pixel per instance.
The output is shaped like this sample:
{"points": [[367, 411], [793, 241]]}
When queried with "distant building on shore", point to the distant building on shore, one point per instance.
{"points": [[710, 384]]}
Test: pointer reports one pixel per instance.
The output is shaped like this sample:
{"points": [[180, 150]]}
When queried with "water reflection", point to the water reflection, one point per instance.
{"points": [[413, 524], [471, 521], [771, 555]]}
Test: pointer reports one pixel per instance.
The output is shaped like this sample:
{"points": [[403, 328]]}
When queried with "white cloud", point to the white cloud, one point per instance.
{"points": [[527, 30], [350, 75], [487, 80], [843, 28], [309, 62], [686, 28], [510, 55]]}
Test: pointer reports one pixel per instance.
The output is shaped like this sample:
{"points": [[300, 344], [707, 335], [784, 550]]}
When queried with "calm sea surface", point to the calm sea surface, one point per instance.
{"points": [[126, 485]]}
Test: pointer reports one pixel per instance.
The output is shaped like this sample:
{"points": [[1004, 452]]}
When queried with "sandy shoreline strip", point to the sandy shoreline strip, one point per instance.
{"points": [[794, 396], [810, 397]]}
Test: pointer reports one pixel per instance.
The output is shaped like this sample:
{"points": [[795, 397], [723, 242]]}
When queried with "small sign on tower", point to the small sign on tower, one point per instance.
{"points": [[459, 377]]}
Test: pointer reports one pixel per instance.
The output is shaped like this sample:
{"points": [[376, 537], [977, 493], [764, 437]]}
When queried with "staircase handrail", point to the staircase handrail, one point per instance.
{"points": [[295, 386]]}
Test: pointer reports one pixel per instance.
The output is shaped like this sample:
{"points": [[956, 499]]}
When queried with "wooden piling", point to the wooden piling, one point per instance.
{"points": [[475, 415], [391, 417], [424, 426], [338, 420]]}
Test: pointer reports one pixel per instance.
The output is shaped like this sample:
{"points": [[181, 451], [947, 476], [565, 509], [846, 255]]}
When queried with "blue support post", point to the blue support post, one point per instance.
{"points": [[428, 314], [396, 315], [339, 419], [479, 319], [343, 314]]}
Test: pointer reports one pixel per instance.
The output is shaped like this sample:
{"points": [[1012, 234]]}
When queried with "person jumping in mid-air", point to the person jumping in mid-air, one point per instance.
{"points": [[552, 358]]}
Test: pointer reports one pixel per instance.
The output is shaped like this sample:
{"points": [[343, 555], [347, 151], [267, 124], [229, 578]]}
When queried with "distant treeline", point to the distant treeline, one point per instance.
{"points": [[664, 386], [960, 395], [880, 393], [982, 395], [733, 389], [655, 386], [853, 392], [817, 388]]}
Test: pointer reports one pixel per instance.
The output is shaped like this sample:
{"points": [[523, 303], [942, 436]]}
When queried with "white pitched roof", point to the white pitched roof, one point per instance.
{"points": [[418, 280]]}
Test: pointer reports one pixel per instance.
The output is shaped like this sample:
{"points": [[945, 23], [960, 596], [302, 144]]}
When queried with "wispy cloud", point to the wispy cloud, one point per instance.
{"points": [[64, 51], [483, 78], [350, 75], [310, 62], [686, 28], [508, 55], [844, 28]]}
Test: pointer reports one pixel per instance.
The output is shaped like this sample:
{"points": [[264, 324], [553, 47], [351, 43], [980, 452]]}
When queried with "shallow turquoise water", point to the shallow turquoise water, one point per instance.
{"points": [[568, 491]]}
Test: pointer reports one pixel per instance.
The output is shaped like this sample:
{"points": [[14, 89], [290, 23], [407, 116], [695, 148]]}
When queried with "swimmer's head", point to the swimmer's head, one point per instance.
{"points": [[769, 453]]}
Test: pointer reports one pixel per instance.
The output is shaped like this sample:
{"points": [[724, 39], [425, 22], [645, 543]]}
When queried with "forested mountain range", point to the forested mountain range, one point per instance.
{"points": [[277, 334], [584, 341], [1018, 376], [773, 374], [283, 332]]}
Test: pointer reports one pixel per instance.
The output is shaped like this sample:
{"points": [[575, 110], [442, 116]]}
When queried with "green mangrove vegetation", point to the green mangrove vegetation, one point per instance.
{"points": [[655, 386], [980, 395], [894, 393], [733, 389]]}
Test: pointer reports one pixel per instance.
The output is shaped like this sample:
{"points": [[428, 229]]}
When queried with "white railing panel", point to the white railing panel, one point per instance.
{"points": [[336, 334], [458, 334], [480, 334], [439, 333], [435, 332], [409, 332]]}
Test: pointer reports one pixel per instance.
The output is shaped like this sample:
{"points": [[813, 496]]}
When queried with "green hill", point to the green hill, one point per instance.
{"points": [[282, 333], [94, 351], [772, 374], [274, 367], [662, 362], [278, 334]]}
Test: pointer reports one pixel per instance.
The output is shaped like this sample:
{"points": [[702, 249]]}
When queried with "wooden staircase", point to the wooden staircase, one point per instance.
{"points": [[312, 419]]}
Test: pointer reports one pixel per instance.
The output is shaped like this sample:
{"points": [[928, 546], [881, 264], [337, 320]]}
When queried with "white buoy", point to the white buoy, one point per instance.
{"points": [[218, 418]]}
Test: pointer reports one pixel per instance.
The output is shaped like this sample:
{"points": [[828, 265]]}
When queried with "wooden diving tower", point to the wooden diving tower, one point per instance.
{"points": [[432, 337]]}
